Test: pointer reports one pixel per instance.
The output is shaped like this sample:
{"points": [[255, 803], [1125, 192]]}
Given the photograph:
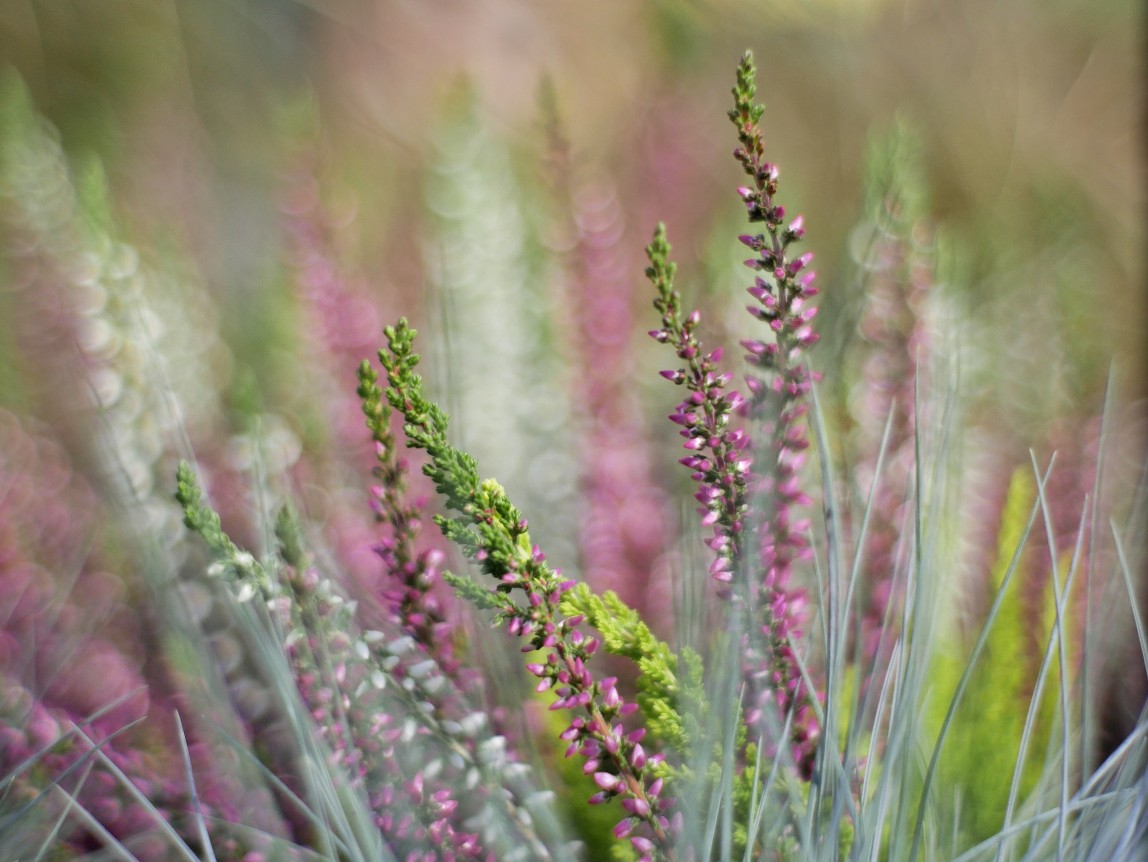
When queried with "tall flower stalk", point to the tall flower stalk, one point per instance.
{"points": [[493, 533], [750, 485], [342, 326]]}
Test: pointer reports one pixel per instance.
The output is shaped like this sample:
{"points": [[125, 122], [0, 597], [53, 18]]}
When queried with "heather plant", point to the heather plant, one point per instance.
{"points": [[839, 708]]}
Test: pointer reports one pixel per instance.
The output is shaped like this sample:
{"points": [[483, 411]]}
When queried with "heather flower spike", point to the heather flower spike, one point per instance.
{"points": [[899, 278], [749, 480], [718, 459], [778, 384], [491, 532], [412, 572]]}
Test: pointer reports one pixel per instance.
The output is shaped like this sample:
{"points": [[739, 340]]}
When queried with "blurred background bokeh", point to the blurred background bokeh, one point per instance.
{"points": [[210, 208], [1031, 115]]}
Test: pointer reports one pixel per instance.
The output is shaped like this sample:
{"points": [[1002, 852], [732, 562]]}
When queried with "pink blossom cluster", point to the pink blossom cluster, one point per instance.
{"points": [[719, 459], [614, 756], [410, 574], [750, 485], [776, 407], [343, 321]]}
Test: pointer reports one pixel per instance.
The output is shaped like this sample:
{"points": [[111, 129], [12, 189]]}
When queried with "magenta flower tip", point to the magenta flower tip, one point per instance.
{"points": [[606, 780], [800, 263], [636, 806], [642, 845], [720, 564]]}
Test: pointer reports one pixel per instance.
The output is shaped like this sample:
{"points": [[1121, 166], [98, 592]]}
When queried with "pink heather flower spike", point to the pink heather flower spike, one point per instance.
{"points": [[738, 474], [776, 406], [492, 532]]}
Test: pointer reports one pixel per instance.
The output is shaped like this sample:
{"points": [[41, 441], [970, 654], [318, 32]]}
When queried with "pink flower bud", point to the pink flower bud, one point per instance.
{"points": [[606, 780], [636, 806]]}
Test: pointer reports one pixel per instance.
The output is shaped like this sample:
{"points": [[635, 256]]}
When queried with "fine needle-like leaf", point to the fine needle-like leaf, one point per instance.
{"points": [[1037, 698], [1058, 622], [189, 774], [1126, 575], [169, 832]]}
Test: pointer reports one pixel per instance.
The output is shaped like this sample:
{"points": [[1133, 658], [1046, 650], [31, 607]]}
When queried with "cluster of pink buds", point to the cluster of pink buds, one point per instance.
{"points": [[776, 407], [781, 293], [750, 484], [526, 596], [614, 756], [408, 590], [718, 454]]}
